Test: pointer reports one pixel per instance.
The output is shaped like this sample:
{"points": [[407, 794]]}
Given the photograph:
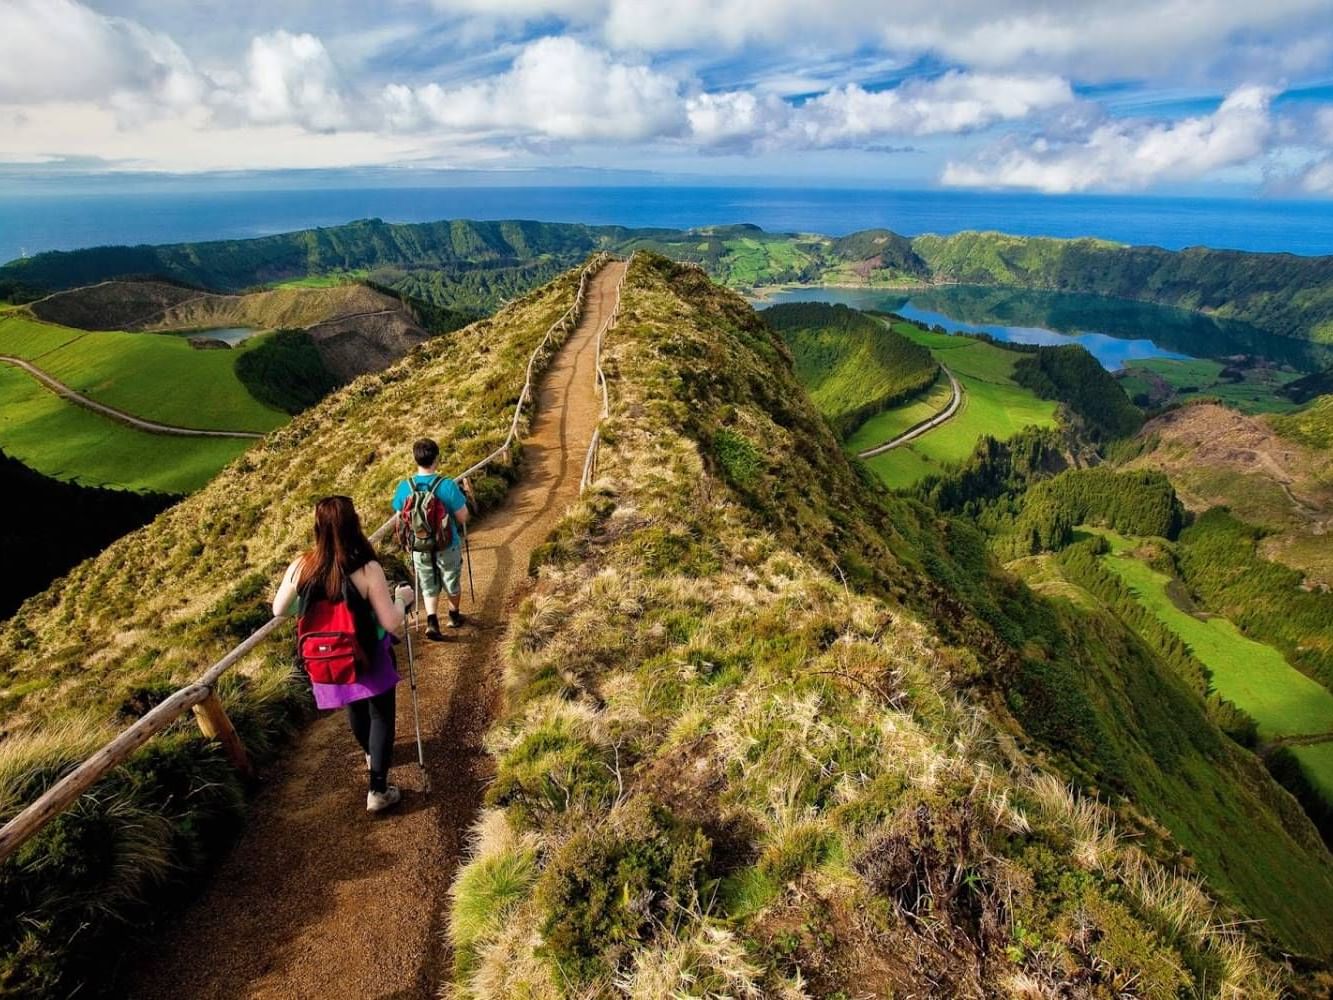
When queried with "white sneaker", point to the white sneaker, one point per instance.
{"points": [[379, 801]]}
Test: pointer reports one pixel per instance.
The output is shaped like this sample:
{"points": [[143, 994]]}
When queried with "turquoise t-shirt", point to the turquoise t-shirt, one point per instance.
{"points": [[446, 491]]}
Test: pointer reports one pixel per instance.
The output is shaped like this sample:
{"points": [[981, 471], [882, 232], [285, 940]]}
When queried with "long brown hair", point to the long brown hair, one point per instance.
{"points": [[341, 548]]}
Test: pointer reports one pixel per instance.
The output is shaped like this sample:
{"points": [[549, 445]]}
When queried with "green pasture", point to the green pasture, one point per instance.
{"points": [[329, 280], [1281, 699], [66, 441], [992, 404], [151, 375]]}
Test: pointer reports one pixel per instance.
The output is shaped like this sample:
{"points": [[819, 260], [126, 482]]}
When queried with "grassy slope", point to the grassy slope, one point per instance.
{"points": [[724, 771], [1281, 699], [68, 442], [992, 404], [157, 377], [175, 595], [851, 364]]}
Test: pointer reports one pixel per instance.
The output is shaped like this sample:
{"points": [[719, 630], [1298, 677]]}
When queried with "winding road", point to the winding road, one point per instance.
{"points": [[320, 900], [120, 416], [929, 424]]}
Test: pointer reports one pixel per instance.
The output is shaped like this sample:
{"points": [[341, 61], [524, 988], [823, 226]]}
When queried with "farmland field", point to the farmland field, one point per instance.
{"points": [[158, 377], [992, 404], [1162, 380], [66, 441]]}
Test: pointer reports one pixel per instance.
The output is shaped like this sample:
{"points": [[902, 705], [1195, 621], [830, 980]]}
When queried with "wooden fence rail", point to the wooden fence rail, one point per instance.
{"points": [[594, 446], [201, 695]]}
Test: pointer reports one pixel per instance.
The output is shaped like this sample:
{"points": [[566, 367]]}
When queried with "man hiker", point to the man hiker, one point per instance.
{"points": [[431, 511]]}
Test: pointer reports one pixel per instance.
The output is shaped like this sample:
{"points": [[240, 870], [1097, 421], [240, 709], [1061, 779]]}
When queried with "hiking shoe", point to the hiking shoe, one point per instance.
{"points": [[456, 619], [433, 632], [379, 801]]}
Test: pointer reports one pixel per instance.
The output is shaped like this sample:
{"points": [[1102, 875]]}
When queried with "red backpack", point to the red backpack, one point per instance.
{"points": [[327, 643]]}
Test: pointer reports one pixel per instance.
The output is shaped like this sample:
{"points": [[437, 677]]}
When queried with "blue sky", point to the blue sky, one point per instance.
{"points": [[1200, 96]]}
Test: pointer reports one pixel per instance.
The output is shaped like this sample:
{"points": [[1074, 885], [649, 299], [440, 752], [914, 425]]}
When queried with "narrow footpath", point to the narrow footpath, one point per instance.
{"points": [[929, 424], [120, 416], [318, 899]]}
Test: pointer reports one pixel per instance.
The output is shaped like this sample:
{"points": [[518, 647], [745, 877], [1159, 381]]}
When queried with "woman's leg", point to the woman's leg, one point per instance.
{"points": [[358, 716], [381, 709]]}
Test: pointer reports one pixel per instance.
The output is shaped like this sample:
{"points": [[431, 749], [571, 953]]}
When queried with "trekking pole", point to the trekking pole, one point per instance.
{"points": [[412, 684], [467, 551]]}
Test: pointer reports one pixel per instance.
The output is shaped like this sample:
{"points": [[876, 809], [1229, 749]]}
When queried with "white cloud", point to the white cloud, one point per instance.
{"points": [[956, 102], [1129, 154], [62, 50], [853, 116], [557, 88], [291, 79], [1317, 178]]}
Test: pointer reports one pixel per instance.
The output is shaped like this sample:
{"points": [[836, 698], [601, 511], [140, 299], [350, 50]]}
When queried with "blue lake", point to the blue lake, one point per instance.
{"points": [[1114, 331]]}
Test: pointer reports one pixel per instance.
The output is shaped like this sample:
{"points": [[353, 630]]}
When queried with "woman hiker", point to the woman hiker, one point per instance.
{"points": [[345, 634]]}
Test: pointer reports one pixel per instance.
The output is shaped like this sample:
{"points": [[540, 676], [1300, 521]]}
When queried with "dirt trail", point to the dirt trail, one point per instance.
{"points": [[320, 900], [120, 416]]}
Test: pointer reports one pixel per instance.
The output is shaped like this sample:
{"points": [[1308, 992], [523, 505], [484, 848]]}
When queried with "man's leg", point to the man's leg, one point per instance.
{"points": [[451, 575], [428, 577]]}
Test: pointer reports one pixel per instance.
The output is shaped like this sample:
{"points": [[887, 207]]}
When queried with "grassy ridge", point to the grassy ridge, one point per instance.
{"points": [[728, 768], [155, 376], [852, 365], [178, 593]]}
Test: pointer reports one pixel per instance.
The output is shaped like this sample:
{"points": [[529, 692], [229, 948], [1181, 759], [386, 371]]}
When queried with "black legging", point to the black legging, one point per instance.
{"points": [[372, 722]]}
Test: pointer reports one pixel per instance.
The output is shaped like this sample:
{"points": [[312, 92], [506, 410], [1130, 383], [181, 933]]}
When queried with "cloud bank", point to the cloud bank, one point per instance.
{"points": [[996, 94]]}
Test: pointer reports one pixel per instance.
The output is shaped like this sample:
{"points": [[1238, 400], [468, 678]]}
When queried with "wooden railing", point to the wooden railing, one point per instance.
{"points": [[594, 446], [201, 695]]}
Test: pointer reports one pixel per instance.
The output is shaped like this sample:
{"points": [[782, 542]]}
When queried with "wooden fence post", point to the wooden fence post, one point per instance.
{"points": [[215, 725]]}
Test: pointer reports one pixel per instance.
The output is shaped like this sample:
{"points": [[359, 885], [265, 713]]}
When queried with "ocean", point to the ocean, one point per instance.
{"points": [[41, 218]]}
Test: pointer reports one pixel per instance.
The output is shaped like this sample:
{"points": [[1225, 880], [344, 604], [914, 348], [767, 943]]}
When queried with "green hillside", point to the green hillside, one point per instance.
{"points": [[766, 724], [160, 377], [852, 365], [1280, 294], [71, 443]]}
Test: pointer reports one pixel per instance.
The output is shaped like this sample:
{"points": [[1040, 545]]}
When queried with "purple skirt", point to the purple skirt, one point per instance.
{"points": [[380, 677]]}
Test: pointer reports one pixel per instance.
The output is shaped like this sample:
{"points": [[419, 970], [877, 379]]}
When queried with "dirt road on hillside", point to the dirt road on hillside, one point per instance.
{"points": [[929, 424], [120, 416], [320, 900]]}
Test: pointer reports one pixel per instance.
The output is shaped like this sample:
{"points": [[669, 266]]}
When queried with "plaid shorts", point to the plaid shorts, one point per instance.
{"points": [[438, 571]]}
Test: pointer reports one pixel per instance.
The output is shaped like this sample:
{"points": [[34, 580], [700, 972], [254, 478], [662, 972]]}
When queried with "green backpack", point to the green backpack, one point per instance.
{"points": [[423, 523]]}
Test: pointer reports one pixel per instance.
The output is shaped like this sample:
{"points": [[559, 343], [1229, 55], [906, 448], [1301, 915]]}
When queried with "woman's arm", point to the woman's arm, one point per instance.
{"points": [[285, 600], [389, 613]]}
